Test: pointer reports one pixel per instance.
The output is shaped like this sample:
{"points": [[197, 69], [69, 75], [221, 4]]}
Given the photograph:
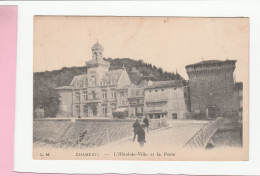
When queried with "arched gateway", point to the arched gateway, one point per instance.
{"points": [[212, 111]]}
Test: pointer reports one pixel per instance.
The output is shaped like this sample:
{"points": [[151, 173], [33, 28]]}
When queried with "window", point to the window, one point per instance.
{"points": [[123, 102], [104, 94], [104, 109], [113, 80], [122, 93], [78, 96], [103, 82], [137, 92], [85, 110], [95, 55], [85, 94], [93, 95], [77, 85], [113, 107], [93, 80], [85, 84], [77, 110], [113, 93]]}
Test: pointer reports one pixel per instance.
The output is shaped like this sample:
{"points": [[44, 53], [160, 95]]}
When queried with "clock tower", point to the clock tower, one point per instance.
{"points": [[97, 67], [97, 52]]}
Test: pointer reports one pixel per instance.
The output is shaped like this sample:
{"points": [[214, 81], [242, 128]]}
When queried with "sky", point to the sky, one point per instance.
{"points": [[166, 42]]}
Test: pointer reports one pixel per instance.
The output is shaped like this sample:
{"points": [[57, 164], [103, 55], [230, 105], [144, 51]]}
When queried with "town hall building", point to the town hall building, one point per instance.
{"points": [[96, 93]]}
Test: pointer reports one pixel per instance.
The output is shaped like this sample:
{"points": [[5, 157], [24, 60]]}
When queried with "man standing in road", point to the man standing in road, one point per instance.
{"points": [[146, 122], [136, 127]]}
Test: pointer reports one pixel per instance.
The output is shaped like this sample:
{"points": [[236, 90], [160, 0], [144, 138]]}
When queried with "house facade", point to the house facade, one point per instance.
{"points": [[136, 101], [166, 99]]}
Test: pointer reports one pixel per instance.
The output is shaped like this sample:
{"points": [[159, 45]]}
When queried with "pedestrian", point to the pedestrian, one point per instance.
{"points": [[136, 127], [146, 122], [141, 135]]}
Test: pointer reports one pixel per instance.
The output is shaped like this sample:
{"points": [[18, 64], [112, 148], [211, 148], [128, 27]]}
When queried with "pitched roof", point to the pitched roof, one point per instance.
{"points": [[164, 84], [79, 78], [113, 73], [117, 72], [64, 88], [123, 87]]}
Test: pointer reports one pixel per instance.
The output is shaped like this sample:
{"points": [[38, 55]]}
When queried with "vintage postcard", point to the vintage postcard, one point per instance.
{"points": [[140, 88]]}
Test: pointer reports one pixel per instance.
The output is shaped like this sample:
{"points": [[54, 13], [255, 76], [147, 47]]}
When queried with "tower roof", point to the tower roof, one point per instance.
{"points": [[97, 46], [212, 63]]}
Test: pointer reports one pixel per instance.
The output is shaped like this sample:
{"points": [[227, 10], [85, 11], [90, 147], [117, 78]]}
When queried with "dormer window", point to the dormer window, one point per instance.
{"points": [[113, 80], [77, 85]]}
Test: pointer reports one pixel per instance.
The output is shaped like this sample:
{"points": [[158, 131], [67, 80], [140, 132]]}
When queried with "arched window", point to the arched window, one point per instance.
{"points": [[93, 80], [95, 55]]}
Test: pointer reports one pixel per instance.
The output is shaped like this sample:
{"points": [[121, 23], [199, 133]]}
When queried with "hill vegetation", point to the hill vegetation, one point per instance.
{"points": [[44, 83]]}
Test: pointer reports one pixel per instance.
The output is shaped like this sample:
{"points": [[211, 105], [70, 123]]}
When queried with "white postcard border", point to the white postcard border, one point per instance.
{"points": [[24, 87]]}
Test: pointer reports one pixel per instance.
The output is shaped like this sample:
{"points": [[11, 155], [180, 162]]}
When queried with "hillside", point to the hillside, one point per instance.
{"points": [[44, 83]]}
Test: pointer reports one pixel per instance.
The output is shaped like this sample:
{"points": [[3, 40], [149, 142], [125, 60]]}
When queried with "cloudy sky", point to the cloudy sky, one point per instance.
{"points": [[169, 43]]}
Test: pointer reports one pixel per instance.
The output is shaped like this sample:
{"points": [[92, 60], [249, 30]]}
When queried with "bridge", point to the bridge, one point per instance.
{"points": [[177, 134], [162, 133]]}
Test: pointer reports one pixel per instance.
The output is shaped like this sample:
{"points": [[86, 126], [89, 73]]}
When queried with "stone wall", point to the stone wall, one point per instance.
{"points": [[212, 86]]}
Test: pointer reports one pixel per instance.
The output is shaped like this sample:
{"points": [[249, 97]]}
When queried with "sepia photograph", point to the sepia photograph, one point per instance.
{"points": [[140, 88]]}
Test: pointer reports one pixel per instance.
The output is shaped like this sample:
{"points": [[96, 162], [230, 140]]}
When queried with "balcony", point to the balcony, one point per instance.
{"points": [[96, 100], [91, 99], [155, 100]]}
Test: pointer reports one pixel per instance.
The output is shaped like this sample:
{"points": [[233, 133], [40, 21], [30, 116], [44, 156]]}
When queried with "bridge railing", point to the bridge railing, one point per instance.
{"points": [[106, 136], [202, 137]]}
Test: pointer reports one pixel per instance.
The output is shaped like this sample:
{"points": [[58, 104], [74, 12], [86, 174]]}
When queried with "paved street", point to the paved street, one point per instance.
{"points": [[175, 136]]}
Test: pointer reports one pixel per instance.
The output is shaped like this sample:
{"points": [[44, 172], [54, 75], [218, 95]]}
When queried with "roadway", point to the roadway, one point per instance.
{"points": [[176, 136]]}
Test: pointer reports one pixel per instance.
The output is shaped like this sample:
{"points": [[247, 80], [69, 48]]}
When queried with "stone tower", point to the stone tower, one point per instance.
{"points": [[211, 88], [97, 67], [97, 52]]}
